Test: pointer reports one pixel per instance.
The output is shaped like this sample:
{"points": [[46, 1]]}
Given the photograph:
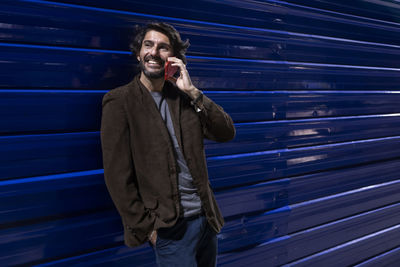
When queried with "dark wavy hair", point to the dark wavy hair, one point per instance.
{"points": [[179, 47]]}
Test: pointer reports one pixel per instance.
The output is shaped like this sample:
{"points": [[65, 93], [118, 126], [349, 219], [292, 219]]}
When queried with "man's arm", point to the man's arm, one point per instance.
{"points": [[119, 170], [217, 124]]}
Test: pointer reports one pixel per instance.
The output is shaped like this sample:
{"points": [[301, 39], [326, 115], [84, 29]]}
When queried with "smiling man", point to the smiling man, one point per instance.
{"points": [[155, 168]]}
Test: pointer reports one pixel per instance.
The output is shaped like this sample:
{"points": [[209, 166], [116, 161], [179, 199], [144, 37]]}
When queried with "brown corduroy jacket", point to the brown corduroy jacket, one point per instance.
{"points": [[140, 168]]}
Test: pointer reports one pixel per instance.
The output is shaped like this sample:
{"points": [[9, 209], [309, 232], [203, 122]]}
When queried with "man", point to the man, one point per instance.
{"points": [[155, 169]]}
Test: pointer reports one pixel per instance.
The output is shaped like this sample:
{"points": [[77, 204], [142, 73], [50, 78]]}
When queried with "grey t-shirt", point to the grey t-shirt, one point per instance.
{"points": [[189, 198]]}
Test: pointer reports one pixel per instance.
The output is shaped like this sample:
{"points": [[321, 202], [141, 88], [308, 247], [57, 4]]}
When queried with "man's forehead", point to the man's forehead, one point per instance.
{"points": [[156, 36]]}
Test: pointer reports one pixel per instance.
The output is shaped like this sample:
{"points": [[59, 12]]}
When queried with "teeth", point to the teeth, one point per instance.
{"points": [[152, 62]]}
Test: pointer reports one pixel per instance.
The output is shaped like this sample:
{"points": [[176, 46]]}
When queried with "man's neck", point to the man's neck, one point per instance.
{"points": [[155, 85]]}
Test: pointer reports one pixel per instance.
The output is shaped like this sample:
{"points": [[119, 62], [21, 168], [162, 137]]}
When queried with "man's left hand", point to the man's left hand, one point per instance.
{"points": [[183, 82]]}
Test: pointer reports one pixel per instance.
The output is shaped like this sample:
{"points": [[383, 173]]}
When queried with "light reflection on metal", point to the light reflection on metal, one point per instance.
{"points": [[302, 132], [305, 159]]}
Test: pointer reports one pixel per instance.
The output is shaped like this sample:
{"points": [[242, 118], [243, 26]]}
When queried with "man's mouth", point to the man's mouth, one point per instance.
{"points": [[154, 62], [157, 63]]}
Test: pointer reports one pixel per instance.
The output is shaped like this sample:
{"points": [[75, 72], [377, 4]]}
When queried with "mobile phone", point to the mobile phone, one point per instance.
{"points": [[169, 70]]}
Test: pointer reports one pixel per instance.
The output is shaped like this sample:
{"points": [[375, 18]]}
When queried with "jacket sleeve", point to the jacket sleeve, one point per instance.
{"points": [[217, 124], [119, 170]]}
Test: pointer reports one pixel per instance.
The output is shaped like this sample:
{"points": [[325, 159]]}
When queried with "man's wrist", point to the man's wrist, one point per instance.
{"points": [[194, 93], [197, 102]]}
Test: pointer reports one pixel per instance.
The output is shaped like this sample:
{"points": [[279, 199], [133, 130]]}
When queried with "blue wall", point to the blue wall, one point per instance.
{"points": [[313, 87]]}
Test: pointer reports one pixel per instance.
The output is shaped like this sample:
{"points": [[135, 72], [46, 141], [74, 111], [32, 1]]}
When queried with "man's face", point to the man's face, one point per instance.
{"points": [[153, 54]]}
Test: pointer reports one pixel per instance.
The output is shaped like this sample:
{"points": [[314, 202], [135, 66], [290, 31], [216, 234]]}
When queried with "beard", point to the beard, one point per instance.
{"points": [[152, 74]]}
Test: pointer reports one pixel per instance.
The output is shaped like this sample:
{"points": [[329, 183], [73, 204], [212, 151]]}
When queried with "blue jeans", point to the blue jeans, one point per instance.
{"points": [[190, 242]]}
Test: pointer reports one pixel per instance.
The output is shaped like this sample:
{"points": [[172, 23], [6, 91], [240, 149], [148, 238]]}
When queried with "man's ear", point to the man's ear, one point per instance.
{"points": [[138, 58]]}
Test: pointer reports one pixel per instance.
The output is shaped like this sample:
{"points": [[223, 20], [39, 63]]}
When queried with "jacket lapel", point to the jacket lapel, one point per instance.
{"points": [[172, 95], [148, 106], [173, 100]]}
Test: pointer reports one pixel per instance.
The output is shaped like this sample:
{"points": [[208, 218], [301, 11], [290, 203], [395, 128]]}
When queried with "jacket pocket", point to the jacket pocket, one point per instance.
{"points": [[151, 206]]}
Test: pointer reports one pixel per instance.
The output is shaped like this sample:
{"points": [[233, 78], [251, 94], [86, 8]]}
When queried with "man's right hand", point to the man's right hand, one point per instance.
{"points": [[153, 237]]}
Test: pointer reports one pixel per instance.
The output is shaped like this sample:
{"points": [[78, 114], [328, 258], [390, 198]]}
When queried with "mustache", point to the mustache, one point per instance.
{"points": [[155, 58]]}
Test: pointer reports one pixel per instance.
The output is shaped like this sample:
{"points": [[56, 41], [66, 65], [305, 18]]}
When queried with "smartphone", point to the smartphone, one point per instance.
{"points": [[169, 71]]}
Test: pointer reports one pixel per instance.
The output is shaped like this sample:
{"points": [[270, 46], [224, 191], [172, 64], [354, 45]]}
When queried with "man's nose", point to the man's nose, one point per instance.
{"points": [[154, 51]]}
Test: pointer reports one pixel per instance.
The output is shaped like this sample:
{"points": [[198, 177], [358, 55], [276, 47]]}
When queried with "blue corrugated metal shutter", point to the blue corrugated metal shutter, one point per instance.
{"points": [[313, 87]]}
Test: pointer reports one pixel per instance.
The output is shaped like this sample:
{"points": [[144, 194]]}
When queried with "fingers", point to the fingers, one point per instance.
{"points": [[174, 59], [153, 237], [183, 82], [177, 62], [172, 79]]}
